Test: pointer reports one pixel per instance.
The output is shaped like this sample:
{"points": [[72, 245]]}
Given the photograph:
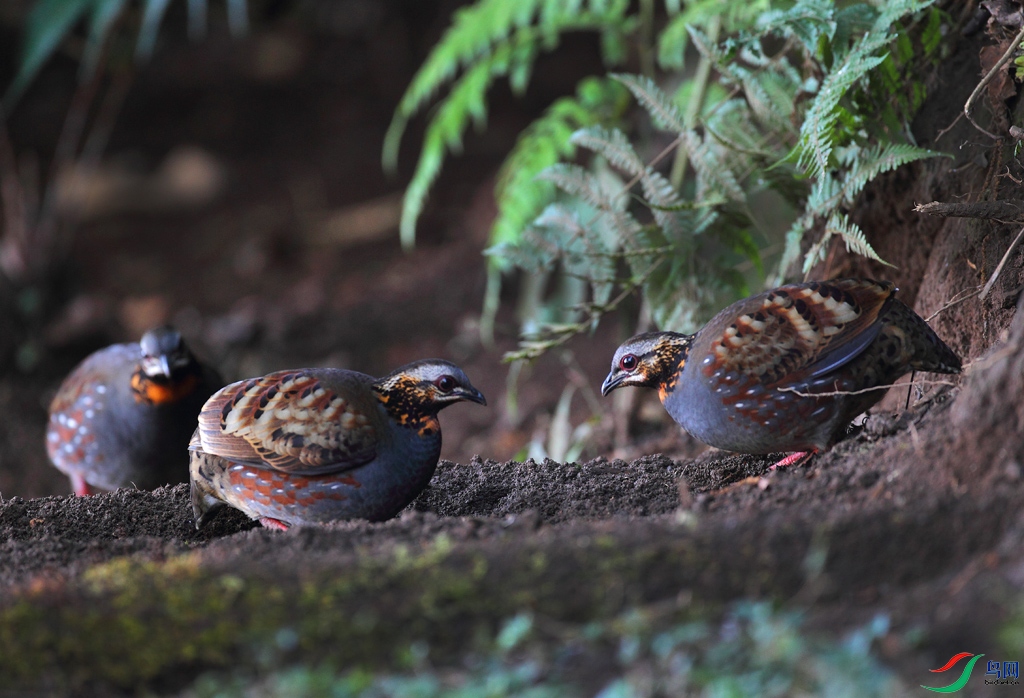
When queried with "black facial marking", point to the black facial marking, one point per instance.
{"points": [[406, 401]]}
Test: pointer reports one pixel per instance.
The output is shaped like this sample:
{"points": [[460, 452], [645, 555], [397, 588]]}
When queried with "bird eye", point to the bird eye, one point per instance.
{"points": [[445, 384], [628, 362]]}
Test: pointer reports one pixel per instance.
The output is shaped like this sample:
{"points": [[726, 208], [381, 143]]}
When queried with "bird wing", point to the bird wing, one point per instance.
{"points": [[800, 331], [290, 421]]}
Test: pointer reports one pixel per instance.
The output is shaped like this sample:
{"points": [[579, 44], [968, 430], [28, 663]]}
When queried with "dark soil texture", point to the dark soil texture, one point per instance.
{"points": [[915, 516]]}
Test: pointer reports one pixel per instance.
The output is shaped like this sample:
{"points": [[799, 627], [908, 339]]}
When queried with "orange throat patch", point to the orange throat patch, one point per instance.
{"points": [[150, 392], [668, 386]]}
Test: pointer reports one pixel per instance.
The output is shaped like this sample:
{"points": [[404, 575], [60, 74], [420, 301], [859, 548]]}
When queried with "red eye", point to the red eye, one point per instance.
{"points": [[628, 362], [445, 384]]}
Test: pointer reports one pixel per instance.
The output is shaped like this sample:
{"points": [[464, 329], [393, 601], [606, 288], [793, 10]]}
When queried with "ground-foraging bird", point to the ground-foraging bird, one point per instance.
{"points": [[787, 369], [323, 444], [122, 417]]}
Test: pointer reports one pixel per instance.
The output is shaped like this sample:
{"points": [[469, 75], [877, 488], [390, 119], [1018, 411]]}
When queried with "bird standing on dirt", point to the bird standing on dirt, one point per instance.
{"points": [[121, 418], [317, 445], [787, 369]]}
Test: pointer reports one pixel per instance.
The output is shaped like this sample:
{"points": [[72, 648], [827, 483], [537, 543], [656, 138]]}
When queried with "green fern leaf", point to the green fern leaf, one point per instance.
{"points": [[474, 33], [807, 21], [878, 159], [577, 181], [493, 33], [663, 111], [712, 176], [613, 145], [520, 196], [853, 236], [817, 133], [444, 133]]}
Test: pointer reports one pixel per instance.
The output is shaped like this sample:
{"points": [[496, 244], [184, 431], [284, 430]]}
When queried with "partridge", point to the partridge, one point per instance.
{"points": [[122, 417], [320, 444], [787, 369]]}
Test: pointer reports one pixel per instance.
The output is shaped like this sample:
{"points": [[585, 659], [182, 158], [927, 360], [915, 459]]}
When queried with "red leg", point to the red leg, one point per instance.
{"points": [[794, 459], [273, 524], [80, 486]]}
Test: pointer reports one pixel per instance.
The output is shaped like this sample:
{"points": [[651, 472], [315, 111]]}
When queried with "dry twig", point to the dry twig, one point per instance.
{"points": [[833, 393], [1002, 263], [987, 79], [970, 293]]}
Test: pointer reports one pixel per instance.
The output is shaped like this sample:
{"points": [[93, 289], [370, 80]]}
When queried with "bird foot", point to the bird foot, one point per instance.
{"points": [[273, 524], [81, 487], [797, 458]]}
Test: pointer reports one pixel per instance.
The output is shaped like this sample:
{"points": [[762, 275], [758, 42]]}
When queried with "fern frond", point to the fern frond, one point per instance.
{"points": [[711, 175], [663, 111], [520, 196], [474, 33], [613, 145], [807, 21], [770, 96], [444, 133], [852, 235], [577, 181], [674, 217], [825, 195], [673, 40], [602, 190], [880, 158], [817, 133], [706, 47], [506, 42]]}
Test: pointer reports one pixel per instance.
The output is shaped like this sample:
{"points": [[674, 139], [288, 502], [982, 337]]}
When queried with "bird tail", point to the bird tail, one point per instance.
{"points": [[928, 352]]}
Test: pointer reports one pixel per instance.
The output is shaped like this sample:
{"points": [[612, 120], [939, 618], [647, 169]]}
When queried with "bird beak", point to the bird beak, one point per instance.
{"points": [[165, 365], [613, 381], [473, 395]]}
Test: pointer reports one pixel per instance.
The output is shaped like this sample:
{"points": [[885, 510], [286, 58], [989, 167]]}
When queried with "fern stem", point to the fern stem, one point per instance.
{"points": [[492, 298], [533, 350], [700, 80]]}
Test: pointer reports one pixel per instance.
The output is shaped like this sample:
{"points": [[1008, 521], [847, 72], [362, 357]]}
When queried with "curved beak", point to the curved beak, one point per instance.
{"points": [[613, 381], [472, 395]]}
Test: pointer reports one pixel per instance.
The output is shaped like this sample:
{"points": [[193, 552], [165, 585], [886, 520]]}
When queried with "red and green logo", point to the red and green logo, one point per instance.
{"points": [[964, 676]]}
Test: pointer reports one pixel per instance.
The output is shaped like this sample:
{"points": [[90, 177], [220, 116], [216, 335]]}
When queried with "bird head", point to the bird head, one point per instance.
{"points": [[164, 353], [650, 360], [431, 384]]}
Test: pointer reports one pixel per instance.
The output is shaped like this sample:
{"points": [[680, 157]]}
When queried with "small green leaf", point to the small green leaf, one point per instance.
{"points": [[48, 23]]}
